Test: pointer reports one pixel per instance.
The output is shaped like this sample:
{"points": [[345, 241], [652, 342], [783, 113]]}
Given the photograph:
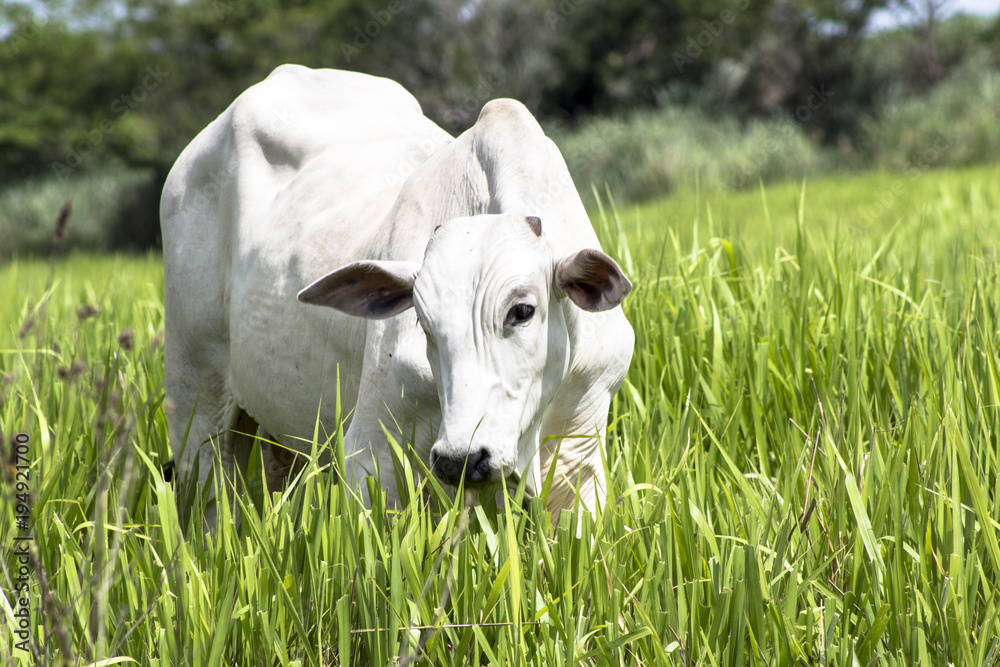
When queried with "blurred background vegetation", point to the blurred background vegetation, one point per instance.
{"points": [[646, 98]]}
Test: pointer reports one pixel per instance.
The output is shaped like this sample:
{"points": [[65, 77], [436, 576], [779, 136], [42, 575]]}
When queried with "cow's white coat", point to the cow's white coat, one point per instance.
{"points": [[313, 170]]}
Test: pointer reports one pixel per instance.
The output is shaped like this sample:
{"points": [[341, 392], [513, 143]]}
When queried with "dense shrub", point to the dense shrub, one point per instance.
{"points": [[113, 208], [650, 154], [955, 124], [640, 155]]}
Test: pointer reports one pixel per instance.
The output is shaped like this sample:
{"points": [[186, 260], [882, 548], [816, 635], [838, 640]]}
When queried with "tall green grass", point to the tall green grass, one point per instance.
{"points": [[803, 469]]}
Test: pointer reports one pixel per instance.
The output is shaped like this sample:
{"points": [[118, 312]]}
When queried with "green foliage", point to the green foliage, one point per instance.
{"points": [[802, 467], [649, 154], [57, 116], [954, 124], [645, 155], [113, 208], [84, 81], [893, 66]]}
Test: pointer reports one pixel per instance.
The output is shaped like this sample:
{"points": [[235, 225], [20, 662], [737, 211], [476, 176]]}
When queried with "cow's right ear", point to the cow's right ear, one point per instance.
{"points": [[369, 289]]}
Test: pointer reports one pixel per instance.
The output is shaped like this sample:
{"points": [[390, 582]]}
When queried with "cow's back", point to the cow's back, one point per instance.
{"points": [[295, 177], [329, 137]]}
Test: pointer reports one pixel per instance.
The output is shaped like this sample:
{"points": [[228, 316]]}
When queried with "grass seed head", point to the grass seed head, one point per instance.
{"points": [[62, 220], [5, 384], [26, 328], [126, 340], [76, 370]]}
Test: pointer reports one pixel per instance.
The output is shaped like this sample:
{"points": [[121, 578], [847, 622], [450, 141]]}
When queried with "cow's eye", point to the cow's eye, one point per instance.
{"points": [[519, 314]]}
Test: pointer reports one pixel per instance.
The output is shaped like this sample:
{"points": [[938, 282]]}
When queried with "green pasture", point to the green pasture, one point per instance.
{"points": [[803, 467]]}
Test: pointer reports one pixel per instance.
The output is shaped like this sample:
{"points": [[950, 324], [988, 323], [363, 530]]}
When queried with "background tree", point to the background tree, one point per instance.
{"points": [[88, 83]]}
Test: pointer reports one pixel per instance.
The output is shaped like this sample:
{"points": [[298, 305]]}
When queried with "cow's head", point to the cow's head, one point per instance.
{"points": [[487, 296]]}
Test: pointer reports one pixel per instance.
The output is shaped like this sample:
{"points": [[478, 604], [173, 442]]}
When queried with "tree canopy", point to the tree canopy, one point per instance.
{"points": [[83, 81]]}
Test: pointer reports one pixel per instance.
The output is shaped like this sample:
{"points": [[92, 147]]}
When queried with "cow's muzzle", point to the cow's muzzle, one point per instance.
{"points": [[475, 469]]}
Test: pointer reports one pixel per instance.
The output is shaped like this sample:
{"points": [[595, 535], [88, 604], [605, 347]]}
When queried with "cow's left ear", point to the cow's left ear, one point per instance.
{"points": [[592, 280], [369, 289]]}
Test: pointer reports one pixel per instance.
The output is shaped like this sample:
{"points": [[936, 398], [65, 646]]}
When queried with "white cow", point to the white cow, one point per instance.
{"points": [[515, 338]]}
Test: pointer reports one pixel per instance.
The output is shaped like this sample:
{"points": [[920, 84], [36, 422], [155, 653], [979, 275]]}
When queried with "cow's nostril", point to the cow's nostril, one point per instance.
{"points": [[448, 468], [475, 468]]}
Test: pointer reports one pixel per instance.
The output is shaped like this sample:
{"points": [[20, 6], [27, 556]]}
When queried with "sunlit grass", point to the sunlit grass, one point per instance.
{"points": [[803, 468]]}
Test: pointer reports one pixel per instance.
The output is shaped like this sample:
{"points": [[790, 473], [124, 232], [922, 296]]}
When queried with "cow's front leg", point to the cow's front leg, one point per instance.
{"points": [[366, 454], [578, 468]]}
